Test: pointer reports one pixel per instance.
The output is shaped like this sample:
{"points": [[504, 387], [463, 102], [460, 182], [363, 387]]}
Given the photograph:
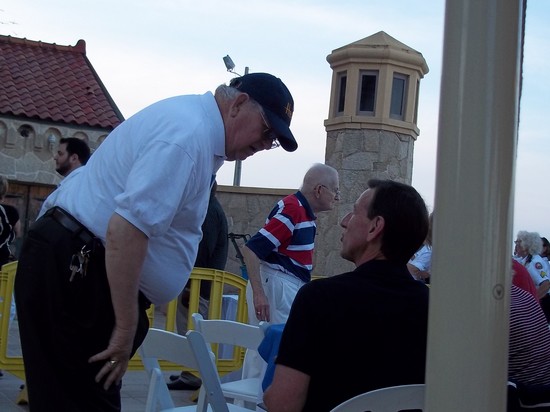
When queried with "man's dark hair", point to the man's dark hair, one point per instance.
{"points": [[77, 146], [405, 216]]}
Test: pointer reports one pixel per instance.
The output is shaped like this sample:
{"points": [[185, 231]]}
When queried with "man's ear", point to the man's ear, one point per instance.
{"points": [[376, 227], [237, 103], [74, 158]]}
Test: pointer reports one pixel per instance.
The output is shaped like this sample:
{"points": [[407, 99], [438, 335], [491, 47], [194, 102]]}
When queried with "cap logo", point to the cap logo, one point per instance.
{"points": [[288, 111]]}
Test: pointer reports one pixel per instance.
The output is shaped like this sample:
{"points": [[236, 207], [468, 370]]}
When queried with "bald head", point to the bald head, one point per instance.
{"points": [[320, 174], [321, 187]]}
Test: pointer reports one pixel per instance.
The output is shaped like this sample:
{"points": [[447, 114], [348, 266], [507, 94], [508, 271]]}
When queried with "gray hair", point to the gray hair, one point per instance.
{"points": [[530, 241], [228, 93]]}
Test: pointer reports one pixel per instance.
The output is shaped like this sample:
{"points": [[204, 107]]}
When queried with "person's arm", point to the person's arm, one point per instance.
{"points": [[414, 271], [417, 273], [261, 304], [17, 229], [288, 391], [543, 288], [126, 247]]}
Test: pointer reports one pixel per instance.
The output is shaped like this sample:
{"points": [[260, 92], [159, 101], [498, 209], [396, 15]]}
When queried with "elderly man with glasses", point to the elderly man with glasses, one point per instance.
{"points": [[279, 257], [124, 232]]}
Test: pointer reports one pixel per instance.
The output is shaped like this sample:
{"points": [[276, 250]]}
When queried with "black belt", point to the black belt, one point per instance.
{"points": [[76, 228]]}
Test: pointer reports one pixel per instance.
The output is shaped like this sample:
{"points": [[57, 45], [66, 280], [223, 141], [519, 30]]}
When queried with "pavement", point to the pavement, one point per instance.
{"points": [[134, 383], [133, 394]]}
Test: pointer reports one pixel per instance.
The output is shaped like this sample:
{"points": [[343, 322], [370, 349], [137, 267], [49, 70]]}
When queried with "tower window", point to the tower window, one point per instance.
{"points": [[398, 96], [367, 92], [342, 81], [416, 102]]}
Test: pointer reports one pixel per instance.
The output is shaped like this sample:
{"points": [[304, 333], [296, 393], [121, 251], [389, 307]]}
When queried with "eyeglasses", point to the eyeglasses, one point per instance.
{"points": [[335, 193], [268, 133]]}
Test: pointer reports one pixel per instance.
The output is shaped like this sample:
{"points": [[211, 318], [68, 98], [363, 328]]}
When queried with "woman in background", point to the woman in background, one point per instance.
{"points": [[528, 246]]}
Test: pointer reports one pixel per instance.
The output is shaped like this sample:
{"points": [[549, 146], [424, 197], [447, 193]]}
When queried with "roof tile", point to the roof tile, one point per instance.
{"points": [[53, 82]]}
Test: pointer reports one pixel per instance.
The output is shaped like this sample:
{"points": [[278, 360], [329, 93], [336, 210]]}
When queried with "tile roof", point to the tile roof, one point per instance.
{"points": [[52, 82]]}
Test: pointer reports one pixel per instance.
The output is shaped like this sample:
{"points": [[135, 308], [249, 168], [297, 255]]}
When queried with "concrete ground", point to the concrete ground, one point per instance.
{"points": [[134, 393], [134, 384]]}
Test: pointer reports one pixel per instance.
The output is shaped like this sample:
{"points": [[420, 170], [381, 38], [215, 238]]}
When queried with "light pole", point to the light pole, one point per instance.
{"points": [[229, 65]]}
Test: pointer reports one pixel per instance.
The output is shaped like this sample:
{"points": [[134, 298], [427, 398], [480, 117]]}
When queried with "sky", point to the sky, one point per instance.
{"points": [[145, 51]]}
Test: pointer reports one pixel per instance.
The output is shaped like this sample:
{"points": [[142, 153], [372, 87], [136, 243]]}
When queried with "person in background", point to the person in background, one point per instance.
{"points": [[279, 257], [545, 254], [380, 312], [421, 262], [522, 279], [10, 226], [528, 246], [212, 253], [10, 229], [124, 232], [72, 153]]}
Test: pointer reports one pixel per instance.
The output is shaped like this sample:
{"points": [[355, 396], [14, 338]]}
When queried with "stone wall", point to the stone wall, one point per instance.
{"points": [[359, 155], [27, 147]]}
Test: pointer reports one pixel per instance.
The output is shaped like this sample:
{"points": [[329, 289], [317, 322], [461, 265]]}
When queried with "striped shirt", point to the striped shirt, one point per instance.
{"points": [[287, 239], [529, 352]]}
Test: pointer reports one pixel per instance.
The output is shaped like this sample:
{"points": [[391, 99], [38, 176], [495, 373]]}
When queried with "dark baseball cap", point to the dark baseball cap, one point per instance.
{"points": [[272, 94]]}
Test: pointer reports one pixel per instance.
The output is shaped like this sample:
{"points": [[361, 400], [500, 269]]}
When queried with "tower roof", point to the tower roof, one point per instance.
{"points": [[382, 39], [378, 48]]}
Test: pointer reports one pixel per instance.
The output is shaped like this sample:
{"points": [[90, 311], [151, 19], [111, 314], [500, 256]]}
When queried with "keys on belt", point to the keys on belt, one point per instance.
{"points": [[79, 262]]}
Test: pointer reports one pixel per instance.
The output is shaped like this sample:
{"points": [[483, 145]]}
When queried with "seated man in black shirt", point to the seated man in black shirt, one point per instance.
{"points": [[365, 329]]}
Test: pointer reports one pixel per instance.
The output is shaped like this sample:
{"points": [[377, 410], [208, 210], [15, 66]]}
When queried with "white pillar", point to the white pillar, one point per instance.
{"points": [[468, 327]]}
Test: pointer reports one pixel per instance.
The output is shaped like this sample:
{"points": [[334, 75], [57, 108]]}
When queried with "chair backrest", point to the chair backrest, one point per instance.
{"points": [[191, 351], [523, 397], [230, 332], [391, 399]]}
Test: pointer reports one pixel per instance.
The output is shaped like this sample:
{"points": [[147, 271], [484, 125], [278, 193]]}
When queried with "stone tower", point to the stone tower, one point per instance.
{"points": [[371, 127]]}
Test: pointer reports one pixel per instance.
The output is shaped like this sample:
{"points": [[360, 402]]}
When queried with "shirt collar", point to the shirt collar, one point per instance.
{"points": [[306, 205]]}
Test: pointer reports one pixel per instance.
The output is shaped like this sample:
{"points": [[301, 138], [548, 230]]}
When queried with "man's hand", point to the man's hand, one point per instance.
{"points": [[116, 357], [261, 305]]}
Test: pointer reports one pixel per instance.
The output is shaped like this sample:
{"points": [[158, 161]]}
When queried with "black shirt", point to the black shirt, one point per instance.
{"points": [[356, 332]]}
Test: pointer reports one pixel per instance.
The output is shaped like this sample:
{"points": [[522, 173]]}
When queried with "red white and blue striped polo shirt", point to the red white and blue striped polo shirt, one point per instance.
{"points": [[287, 239]]}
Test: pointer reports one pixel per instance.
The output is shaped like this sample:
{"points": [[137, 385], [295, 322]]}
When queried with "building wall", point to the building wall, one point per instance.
{"points": [[27, 147]]}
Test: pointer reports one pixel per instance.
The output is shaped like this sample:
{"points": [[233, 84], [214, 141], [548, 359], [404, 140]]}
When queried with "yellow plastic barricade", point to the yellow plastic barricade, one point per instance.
{"points": [[10, 354], [223, 283]]}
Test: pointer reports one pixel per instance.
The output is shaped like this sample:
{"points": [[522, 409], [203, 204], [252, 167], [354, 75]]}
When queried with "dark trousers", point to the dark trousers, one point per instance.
{"points": [[63, 323]]}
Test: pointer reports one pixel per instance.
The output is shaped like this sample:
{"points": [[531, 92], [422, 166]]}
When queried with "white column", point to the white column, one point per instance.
{"points": [[468, 327]]}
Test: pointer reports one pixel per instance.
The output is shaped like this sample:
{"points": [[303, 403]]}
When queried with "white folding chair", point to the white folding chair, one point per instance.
{"points": [[190, 351], [391, 399], [237, 334]]}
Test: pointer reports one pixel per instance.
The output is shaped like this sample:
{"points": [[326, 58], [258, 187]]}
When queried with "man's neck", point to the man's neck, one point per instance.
{"points": [[370, 255]]}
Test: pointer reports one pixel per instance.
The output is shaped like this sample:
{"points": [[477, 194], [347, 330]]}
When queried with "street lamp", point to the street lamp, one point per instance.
{"points": [[229, 65]]}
